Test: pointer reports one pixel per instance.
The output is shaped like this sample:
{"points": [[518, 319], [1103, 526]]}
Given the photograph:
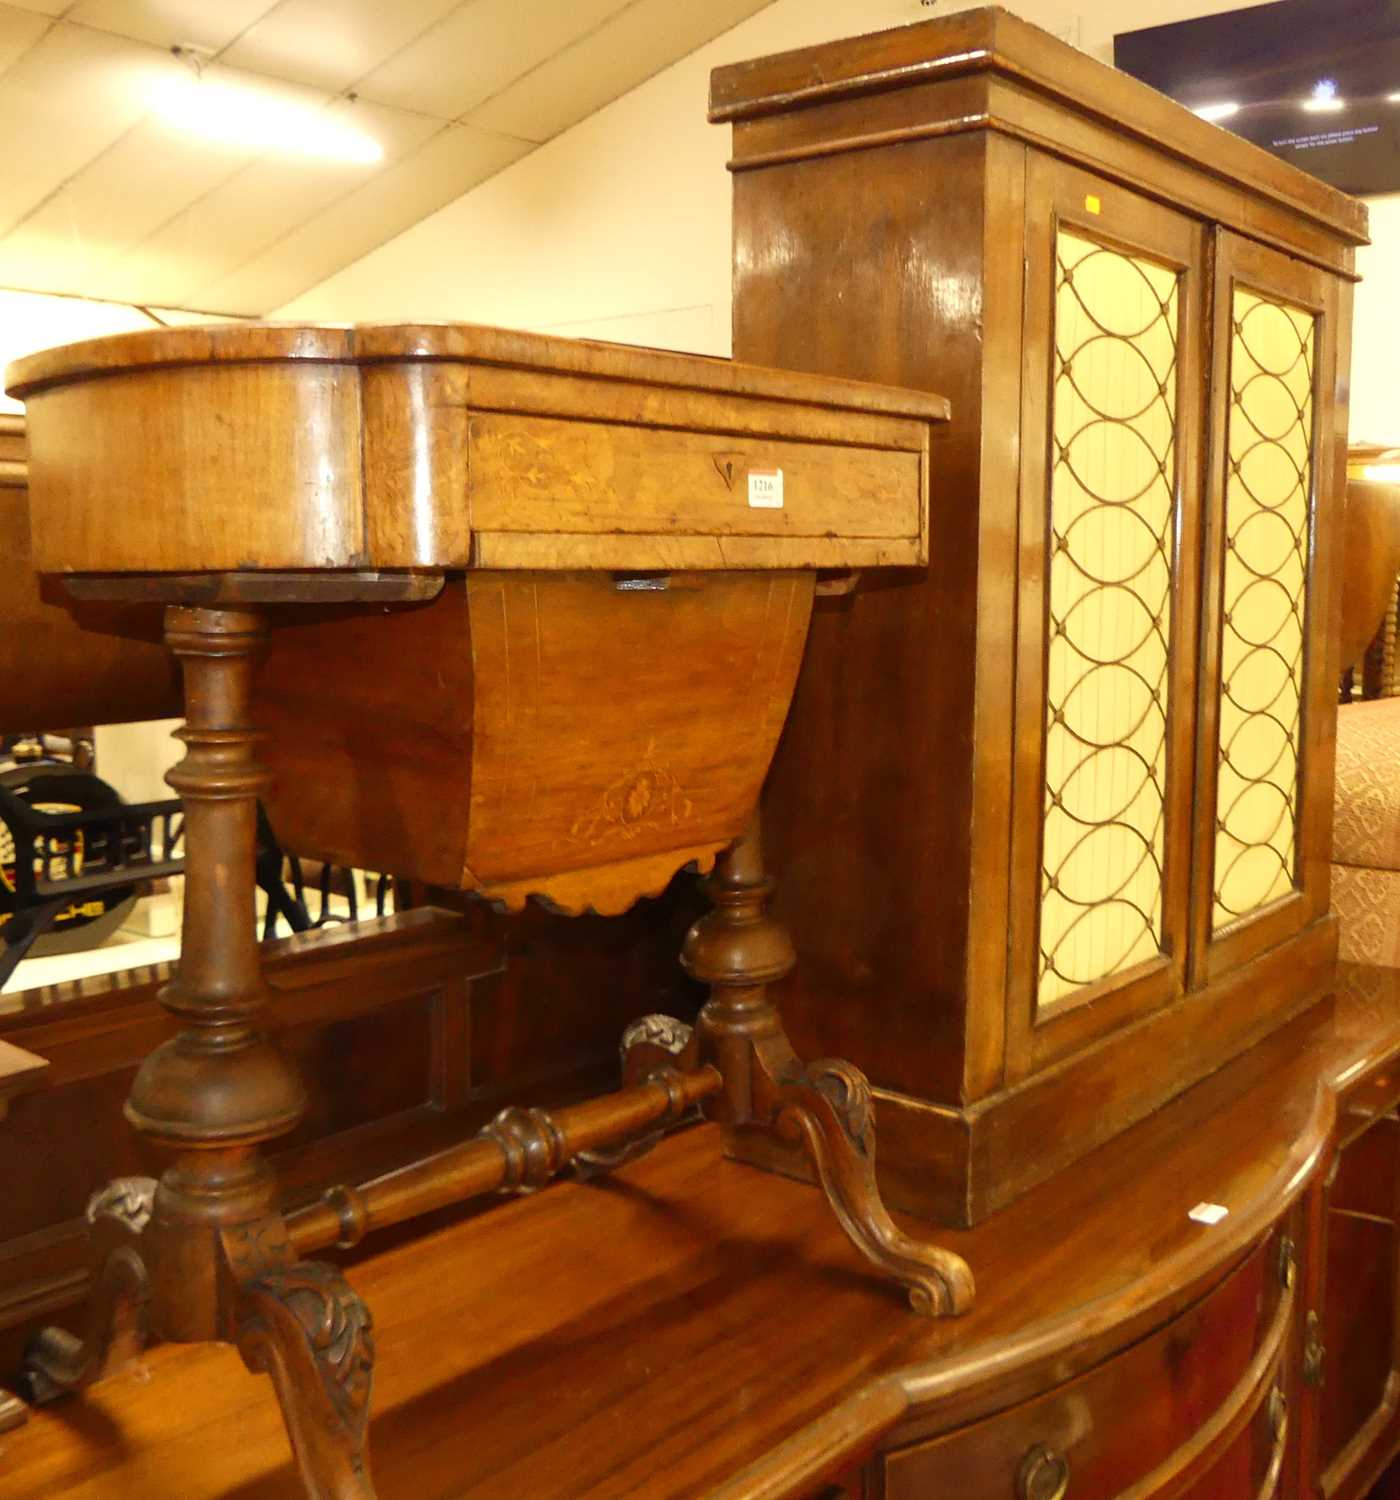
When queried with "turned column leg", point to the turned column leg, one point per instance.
{"points": [[219, 1088], [739, 950], [215, 1259]]}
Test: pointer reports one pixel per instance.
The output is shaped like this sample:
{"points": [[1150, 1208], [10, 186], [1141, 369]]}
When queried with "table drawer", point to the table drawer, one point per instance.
{"points": [[706, 499], [1171, 1408]]}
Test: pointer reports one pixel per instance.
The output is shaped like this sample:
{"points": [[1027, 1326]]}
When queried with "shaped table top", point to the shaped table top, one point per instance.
{"points": [[256, 447]]}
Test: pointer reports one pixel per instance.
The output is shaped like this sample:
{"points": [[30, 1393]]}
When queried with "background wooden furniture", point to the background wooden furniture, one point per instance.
{"points": [[1372, 571], [1031, 937], [1371, 563], [711, 1334], [341, 471], [95, 665]]}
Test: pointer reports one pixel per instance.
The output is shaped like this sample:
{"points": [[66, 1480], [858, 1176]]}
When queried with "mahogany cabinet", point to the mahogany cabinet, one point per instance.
{"points": [[1051, 818]]}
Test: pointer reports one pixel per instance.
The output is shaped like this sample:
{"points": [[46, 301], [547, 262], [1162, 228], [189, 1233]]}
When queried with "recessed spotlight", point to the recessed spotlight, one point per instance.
{"points": [[1324, 99]]}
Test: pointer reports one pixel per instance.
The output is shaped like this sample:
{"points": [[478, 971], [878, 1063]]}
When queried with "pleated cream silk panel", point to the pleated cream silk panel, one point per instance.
{"points": [[1264, 605], [1109, 613]]}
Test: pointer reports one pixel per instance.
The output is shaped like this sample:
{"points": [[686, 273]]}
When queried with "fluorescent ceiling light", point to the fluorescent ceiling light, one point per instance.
{"points": [[1323, 100], [253, 119], [1217, 111]]}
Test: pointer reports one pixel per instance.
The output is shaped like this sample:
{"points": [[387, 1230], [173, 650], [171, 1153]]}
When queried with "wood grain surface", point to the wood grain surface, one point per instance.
{"points": [[695, 1328], [254, 448]]}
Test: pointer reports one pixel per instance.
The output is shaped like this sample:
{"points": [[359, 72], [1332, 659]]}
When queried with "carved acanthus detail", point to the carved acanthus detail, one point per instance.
{"points": [[656, 1031], [849, 1092], [308, 1330], [128, 1200]]}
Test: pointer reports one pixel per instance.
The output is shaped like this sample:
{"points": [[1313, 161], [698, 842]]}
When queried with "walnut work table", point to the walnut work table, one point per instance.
{"points": [[687, 1328], [535, 609]]}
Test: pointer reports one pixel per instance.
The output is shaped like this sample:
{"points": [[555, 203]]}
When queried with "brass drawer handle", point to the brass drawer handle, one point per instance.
{"points": [[1278, 1417], [1044, 1475], [1278, 1426]]}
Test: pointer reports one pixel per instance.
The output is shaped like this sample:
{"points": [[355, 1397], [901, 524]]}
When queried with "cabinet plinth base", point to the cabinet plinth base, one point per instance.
{"points": [[959, 1166]]}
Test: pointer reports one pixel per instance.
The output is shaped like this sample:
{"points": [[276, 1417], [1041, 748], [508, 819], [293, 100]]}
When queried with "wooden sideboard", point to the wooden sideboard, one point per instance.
{"points": [[686, 1329]]}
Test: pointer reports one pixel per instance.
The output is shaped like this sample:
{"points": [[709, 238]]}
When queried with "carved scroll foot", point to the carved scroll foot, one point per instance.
{"points": [[306, 1328], [653, 1047], [56, 1362], [739, 950], [828, 1109], [13, 1412]]}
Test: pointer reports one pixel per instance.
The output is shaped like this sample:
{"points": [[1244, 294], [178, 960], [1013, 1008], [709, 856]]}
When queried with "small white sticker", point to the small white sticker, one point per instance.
{"points": [[766, 489], [1209, 1213]]}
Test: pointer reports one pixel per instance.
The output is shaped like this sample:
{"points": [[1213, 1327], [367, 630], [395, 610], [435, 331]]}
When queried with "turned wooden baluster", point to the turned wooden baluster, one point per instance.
{"points": [[214, 1261], [739, 950]]}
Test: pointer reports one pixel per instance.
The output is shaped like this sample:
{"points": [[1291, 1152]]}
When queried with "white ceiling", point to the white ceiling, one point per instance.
{"points": [[101, 197]]}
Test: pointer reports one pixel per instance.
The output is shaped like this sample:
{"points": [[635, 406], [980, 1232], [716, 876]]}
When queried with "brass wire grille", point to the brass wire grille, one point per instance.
{"points": [[1267, 489], [1111, 548]]}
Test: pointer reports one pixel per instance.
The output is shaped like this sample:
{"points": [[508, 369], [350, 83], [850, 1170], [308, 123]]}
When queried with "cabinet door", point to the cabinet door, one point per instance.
{"points": [[1111, 465], [1268, 652]]}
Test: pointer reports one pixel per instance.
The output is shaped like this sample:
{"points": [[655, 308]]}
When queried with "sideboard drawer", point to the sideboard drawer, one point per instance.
{"points": [[1177, 1402], [1252, 1466]]}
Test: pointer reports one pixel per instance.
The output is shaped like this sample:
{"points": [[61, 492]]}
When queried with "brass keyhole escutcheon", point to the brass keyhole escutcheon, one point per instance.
{"points": [[1314, 1355], [1044, 1475]]}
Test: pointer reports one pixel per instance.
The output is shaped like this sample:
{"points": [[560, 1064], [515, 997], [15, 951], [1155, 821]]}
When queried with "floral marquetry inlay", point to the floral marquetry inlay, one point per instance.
{"points": [[1111, 543], [1267, 489]]}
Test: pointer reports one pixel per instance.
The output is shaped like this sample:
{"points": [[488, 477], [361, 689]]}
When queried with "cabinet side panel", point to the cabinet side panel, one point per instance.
{"points": [[886, 810]]}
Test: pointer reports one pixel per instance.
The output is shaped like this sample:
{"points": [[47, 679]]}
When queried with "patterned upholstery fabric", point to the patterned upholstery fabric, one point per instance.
{"points": [[1367, 832], [1367, 903], [1366, 840]]}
